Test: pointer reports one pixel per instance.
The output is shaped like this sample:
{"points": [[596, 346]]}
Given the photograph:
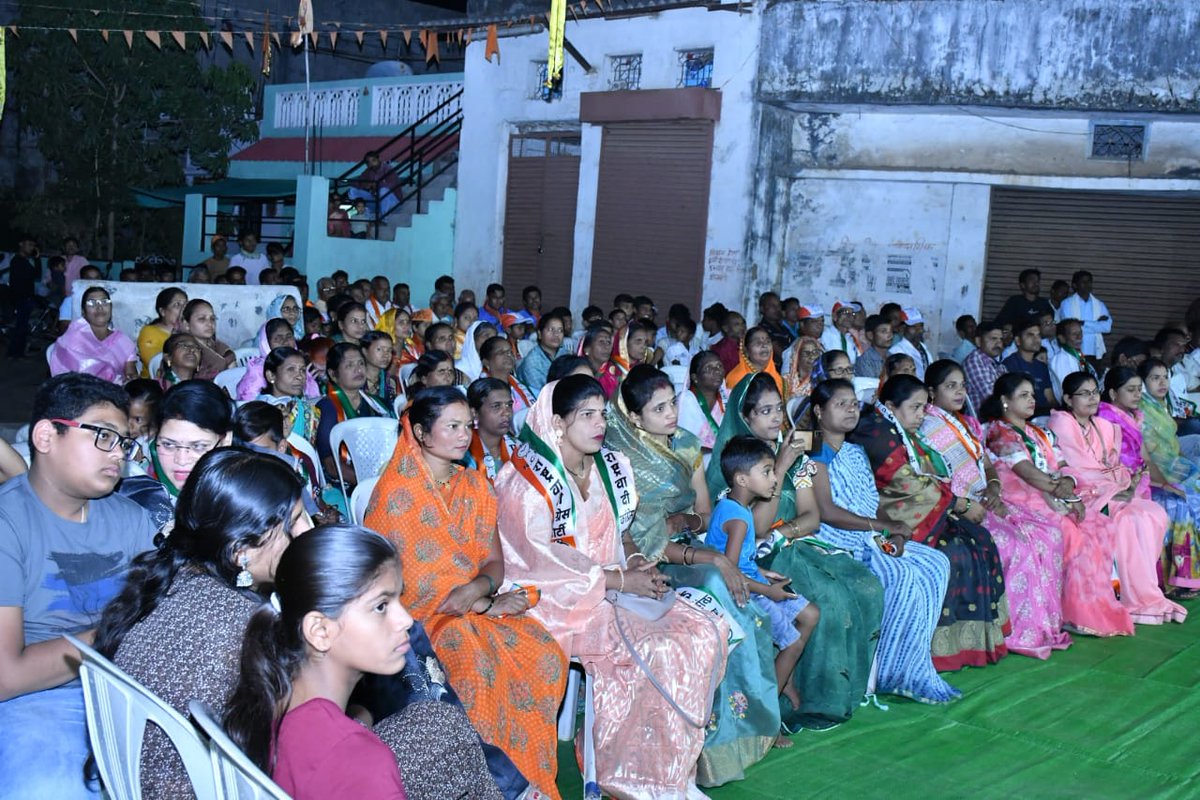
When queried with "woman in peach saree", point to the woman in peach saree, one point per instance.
{"points": [[566, 503], [507, 669]]}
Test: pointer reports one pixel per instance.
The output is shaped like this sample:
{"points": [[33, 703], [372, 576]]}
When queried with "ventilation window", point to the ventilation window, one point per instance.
{"points": [[695, 68], [1119, 142], [624, 72]]}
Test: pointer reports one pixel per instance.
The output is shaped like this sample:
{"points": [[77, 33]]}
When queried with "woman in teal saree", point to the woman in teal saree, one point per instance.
{"points": [[674, 504], [832, 676]]}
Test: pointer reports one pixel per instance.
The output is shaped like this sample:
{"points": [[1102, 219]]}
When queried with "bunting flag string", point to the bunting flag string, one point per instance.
{"points": [[154, 38]]}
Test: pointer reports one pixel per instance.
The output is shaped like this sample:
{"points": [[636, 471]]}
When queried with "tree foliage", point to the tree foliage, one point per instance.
{"points": [[109, 117]]}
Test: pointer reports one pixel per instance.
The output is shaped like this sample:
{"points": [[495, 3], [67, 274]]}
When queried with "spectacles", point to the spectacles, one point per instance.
{"points": [[714, 369], [841, 371], [98, 302], [107, 439], [1087, 393], [195, 448]]}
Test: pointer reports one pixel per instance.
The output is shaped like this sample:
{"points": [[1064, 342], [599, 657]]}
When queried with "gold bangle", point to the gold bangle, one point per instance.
{"points": [[631, 556], [621, 572]]}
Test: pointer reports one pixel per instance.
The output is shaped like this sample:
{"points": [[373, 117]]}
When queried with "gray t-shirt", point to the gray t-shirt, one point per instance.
{"points": [[63, 573]]}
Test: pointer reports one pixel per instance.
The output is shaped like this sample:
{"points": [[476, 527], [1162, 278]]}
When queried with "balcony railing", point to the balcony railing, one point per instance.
{"points": [[370, 106]]}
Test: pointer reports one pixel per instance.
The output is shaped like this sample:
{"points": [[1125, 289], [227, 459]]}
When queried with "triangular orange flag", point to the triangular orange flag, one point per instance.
{"points": [[154, 38], [180, 39], [358, 37], [13, 30], [249, 40], [204, 38], [74, 35], [333, 36], [493, 44], [275, 39], [227, 38], [383, 39], [128, 38], [407, 38], [431, 51], [467, 36], [104, 36]]}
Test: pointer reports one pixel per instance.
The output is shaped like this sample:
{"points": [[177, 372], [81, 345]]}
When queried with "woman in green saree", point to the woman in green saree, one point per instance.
{"points": [[674, 504], [832, 676]]}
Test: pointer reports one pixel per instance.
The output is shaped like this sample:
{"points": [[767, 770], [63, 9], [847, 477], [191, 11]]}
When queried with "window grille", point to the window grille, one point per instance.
{"points": [[695, 68], [625, 72]]}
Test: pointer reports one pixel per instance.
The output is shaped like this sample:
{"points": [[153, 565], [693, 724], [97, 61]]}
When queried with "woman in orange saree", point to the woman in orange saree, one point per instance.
{"points": [[566, 504], [756, 354], [507, 669]]}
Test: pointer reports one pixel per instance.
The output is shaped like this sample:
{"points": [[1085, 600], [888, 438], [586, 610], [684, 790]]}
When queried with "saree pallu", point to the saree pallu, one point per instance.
{"points": [[745, 714], [974, 620], [744, 369], [78, 350], [833, 674], [1088, 603], [1181, 560], [1139, 525], [509, 672], [644, 748], [212, 359], [1030, 544], [914, 584]]}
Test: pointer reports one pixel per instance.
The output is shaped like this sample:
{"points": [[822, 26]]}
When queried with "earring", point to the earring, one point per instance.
{"points": [[244, 579], [1005, 406]]}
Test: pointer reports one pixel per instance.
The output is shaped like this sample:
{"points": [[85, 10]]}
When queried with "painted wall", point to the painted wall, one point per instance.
{"points": [[500, 100], [1133, 55]]}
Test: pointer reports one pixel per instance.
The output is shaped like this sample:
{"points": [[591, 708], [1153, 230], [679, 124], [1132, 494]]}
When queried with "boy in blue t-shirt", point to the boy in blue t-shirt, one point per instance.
{"points": [[749, 468]]}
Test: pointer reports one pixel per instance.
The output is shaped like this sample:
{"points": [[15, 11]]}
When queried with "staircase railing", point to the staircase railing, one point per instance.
{"points": [[408, 163]]}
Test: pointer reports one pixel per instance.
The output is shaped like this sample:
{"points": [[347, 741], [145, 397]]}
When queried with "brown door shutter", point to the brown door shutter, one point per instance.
{"points": [[539, 217], [652, 212], [1141, 248]]}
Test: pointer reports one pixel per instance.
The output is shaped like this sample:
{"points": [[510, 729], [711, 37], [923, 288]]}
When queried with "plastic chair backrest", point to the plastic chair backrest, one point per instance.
{"points": [[370, 441], [50, 353], [865, 389], [243, 355], [228, 379], [235, 775], [155, 363], [678, 375], [406, 372], [360, 497], [118, 708], [304, 446], [398, 404]]}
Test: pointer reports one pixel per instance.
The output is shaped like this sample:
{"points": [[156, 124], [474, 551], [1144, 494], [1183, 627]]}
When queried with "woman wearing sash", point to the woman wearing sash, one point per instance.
{"points": [[508, 671], [755, 355], [1029, 465], [492, 443], [673, 504], [345, 398], [498, 363], [702, 403], [565, 505], [399, 323], [1030, 543], [832, 676], [915, 489], [1092, 449]]}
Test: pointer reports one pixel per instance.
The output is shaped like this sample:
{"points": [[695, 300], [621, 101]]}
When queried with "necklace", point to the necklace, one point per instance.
{"points": [[1104, 457], [442, 483], [579, 474]]}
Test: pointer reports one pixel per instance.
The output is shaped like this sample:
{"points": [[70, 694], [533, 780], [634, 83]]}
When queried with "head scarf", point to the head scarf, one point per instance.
{"points": [[470, 363], [422, 315], [273, 311], [663, 475], [798, 385]]}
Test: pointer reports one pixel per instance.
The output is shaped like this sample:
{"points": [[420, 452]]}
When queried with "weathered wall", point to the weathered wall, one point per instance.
{"points": [[1069, 54]]}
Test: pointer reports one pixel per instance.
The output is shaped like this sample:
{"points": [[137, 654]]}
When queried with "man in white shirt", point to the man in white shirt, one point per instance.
{"points": [[379, 301], [1069, 357], [1088, 309], [912, 340], [709, 332], [841, 336], [249, 259]]}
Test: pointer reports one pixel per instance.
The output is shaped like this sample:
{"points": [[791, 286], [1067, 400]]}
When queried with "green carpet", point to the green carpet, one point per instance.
{"points": [[1108, 718]]}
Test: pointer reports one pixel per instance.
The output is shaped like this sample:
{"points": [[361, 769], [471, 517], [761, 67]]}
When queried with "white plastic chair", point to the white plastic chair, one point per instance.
{"points": [[236, 776], [118, 708], [865, 389], [406, 372], [678, 375], [243, 354], [370, 441], [360, 497], [155, 363], [50, 354], [228, 379], [304, 446], [399, 403], [566, 719]]}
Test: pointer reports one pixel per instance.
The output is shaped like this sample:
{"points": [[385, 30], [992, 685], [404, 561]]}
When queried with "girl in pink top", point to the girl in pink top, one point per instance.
{"points": [[335, 615]]}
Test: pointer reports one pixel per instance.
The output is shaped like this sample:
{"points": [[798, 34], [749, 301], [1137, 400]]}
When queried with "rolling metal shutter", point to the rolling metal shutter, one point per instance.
{"points": [[652, 212], [1142, 250], [539, 217]]}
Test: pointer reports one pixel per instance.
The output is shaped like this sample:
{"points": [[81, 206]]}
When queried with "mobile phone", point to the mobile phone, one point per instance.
{"points": [[808, 441]]}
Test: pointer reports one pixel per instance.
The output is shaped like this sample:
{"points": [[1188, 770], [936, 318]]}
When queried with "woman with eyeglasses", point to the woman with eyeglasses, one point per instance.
{"points": [[1092, 449], [194, 417], [91, 345], [153, 335], [180, 360]]}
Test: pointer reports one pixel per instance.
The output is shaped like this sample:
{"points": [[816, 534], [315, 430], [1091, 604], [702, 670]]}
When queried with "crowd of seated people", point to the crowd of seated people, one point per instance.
{"points": [[677, 509]]}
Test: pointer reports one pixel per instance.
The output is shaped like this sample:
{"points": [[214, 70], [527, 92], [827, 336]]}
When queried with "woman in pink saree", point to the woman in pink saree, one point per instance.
{"points": [[1030, 543], [90, 344], [1092, 448], [1029, 466], [565, 504]]}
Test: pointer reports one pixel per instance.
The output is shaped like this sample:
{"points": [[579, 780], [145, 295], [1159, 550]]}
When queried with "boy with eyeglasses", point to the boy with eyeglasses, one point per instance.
{"points": [[66, 542]]}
